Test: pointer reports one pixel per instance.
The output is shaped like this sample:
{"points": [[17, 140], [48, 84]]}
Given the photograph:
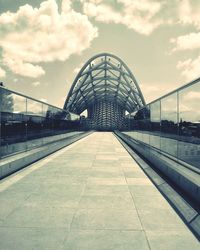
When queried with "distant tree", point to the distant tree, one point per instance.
{"points": [[6, 101]]}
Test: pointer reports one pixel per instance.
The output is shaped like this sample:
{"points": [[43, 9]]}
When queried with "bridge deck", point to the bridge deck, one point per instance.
{"points": [[89, 196]]}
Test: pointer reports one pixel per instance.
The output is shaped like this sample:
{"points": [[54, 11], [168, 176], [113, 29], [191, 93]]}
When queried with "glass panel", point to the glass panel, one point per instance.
{"points": [[189, 125], [146, 138], [0, 118], [13, 125], [139, 136], [155, 124], [144, 124], [169, 124], [58, 122], [28, 123], [155, 116], [34, 121], [47, 121]]}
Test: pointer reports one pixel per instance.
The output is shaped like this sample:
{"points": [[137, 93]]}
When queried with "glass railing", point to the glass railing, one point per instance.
{"points": [[27, 123], [171, 124]]}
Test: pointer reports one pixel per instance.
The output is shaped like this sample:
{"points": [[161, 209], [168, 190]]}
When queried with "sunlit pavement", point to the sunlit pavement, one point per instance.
{"points": [[88, 196]]}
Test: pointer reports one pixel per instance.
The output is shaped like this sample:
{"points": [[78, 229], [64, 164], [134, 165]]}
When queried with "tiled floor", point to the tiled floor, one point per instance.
{"points": [[89, 196]]}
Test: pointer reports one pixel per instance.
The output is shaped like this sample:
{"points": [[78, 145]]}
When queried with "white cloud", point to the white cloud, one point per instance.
{"points": [[2, 73], [21, 68], [137, 15], [187, 42], [189, 12], [34, 107], [34, 35], [19, 104], [66, 5], [35, 84], [154, 90], [76, 70], [190, 68], [188, 105], [191, 95], [183, 107], [60, 102]]}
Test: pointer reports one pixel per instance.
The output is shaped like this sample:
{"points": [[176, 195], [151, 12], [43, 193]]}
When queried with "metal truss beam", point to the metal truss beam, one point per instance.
{"points": [[104, 77]]}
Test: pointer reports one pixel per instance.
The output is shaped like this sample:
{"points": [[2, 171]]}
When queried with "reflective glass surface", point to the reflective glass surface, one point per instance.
{"points": [[13, 121], [155, 124], [171, 125], [27, 123], [189, 125]]}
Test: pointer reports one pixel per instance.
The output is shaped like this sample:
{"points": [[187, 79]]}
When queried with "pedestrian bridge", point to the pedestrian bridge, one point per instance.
{"points": [[128, 180], [89, 195]]}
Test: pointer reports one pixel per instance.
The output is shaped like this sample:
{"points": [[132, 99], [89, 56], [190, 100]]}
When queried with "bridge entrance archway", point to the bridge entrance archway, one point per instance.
{"points": [[107, 89]]}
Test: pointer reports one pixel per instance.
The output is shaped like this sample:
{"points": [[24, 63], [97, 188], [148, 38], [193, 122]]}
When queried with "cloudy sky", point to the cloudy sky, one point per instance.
{"points": [[43, 43]]}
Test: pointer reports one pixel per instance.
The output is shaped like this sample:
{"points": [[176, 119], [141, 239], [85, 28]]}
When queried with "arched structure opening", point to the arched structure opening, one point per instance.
{"points": [[107, 89]]}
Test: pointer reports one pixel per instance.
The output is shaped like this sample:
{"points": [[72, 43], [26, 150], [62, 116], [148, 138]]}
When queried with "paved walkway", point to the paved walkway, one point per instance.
{"points": [[89, 196]]}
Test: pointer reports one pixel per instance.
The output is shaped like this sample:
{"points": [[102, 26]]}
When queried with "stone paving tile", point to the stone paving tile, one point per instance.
{"points": [[14, 195], [106, 181], [160, 219], [172, 240], [126, 157], [107, 169], [74, 158], [76, 163], [1, 222], [94, 196], [24, 186], [106, 240], [120, 149], [103, 163], [107, 190], [50, 180], [107, 158], [131, 169], [32, 238], [40, 217], [53, 200], [113, 219], [72, 172], [145, 191], [134, 174], [130, 164], [63, 188], [151, 202], [105, 173], [100, 201], [139, 181], [106, 153], [7, 206]]}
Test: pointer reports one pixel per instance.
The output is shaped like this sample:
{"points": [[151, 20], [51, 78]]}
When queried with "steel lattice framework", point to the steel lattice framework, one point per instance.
{"points": [[104, 80]]}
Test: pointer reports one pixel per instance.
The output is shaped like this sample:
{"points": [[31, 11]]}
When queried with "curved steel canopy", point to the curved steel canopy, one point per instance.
{"points": [[104, 77]]}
